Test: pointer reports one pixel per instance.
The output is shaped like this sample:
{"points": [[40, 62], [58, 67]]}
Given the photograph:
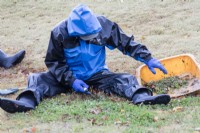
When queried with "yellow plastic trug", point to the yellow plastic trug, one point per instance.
{"points": [[175, 65]]}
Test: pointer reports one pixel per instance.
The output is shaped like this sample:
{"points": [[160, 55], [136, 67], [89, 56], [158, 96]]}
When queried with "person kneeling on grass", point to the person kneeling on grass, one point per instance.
{"points": [[76, 61]]}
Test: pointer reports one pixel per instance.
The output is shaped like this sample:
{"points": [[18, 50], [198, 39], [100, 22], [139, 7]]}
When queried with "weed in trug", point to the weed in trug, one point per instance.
{"points": [[166, 85]]}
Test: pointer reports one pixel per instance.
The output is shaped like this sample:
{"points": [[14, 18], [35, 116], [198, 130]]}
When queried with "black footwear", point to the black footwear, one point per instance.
{"points": [[13, 106], [9, 61], [146, 99]]}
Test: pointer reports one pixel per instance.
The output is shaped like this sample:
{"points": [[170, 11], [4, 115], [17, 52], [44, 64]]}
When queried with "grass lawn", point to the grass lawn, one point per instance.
{"points": [[167, 28], [81, 113]]}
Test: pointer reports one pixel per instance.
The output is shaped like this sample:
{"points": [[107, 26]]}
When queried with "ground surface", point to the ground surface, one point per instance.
{"points": [[166, 27]]}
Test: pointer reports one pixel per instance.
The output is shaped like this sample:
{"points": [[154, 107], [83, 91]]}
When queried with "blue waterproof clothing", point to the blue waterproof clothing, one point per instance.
{"points": [[68, 57], [111, 35], [85, 60], [82, 22]]}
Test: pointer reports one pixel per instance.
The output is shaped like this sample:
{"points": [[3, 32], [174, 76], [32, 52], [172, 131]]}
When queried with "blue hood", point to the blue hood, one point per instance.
{"points": [[82, 22]]}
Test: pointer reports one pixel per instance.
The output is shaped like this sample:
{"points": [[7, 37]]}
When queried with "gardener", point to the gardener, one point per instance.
{"points": [[76, 61]]}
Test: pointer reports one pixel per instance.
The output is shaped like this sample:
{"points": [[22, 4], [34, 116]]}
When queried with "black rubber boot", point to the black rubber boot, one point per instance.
{"points": [[24, 104], [9, 61], [147, 99]]}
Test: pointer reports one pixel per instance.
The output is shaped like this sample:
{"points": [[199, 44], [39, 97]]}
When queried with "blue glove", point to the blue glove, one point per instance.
{"points": [[154, 63], [80, 86]]}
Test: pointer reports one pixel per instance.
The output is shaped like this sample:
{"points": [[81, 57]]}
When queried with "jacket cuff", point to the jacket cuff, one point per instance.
{"points": [[148, 58]]}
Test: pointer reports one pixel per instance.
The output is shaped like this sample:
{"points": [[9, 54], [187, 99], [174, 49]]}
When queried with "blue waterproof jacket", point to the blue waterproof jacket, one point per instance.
{"points": [[68, 57]]}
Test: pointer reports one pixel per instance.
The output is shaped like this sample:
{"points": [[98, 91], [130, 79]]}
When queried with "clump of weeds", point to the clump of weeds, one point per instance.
{"points": [[166, 84]]}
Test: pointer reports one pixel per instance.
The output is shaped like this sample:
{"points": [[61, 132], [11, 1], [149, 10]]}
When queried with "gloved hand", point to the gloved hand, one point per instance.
{"points": [[154, 63], [80, 86]]}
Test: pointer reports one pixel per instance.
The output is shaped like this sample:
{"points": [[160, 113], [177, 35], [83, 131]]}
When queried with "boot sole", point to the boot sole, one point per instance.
{"points": [[12, 106], [160, 99]]}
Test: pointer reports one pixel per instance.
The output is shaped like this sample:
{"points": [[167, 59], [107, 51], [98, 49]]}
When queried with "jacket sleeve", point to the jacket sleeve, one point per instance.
{"points": [[56, 63], [126, 44]]}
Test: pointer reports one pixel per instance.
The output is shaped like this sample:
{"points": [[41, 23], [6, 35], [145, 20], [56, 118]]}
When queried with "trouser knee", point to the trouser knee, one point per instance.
{"points": [[126, 85]]}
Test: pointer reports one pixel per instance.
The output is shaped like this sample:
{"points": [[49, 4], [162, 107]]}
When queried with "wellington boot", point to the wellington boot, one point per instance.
{"points": [[145, 98], [9, 61], [24, 104]]}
